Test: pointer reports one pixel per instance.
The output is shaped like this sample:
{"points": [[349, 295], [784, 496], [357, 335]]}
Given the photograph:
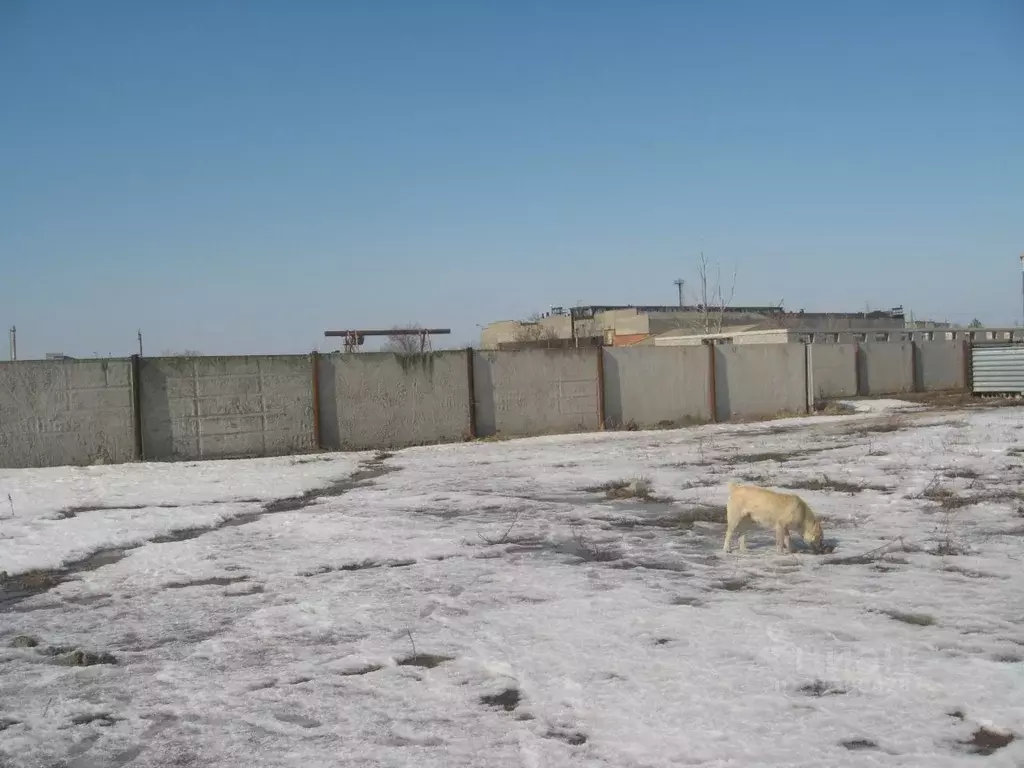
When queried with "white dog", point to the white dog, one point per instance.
{"points": [[749, 504]]}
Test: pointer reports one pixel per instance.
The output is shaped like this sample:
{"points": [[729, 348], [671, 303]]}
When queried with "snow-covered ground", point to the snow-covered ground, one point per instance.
{"points": [[483, 605]]}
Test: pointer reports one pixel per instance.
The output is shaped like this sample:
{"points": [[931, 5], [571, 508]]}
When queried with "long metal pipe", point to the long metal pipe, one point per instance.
{"points": [[391, 332]]}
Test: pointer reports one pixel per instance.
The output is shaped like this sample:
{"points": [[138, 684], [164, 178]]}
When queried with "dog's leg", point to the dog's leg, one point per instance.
{"points": [[785, 540], [779, 538], [731, 524]]}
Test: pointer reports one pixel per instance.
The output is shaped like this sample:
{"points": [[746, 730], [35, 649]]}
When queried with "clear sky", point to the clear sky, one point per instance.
{"points": [[237, 177]]}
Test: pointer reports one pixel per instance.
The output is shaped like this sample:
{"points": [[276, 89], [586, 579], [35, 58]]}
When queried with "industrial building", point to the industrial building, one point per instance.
{"points": [[608, 325]]}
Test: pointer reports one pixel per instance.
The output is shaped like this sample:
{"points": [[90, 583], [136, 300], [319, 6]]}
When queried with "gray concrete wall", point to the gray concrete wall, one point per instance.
{"points": [[756, 380], [55, 413], [886, 367], [536, 391], [383, 400], [833, 370], [940, 365], [656, 386], [226, 407]]}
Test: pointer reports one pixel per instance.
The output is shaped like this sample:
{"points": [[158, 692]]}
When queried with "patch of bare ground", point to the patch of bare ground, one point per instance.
{"points": [[826, 483], [986, 741], [639, 488], [819, 688], [961, 473], [780, 457], [958, 400], [879, 426], [914, 619], [683, 517], [858, 744]]}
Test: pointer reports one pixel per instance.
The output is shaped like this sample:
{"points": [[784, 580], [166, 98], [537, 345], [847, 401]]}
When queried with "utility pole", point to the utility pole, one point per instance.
{"points": [[140, 342], [14, 338]]}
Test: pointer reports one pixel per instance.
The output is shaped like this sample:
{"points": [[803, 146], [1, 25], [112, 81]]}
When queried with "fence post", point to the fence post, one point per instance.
{"points": [[314, 365], [712, 383], [471, 380], [138, 449], [600, 389]]}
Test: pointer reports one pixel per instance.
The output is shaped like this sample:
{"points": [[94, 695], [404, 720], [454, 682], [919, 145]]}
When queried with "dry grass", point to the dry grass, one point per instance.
{"points": [[826, 483], [882, 426], [639, 488]]}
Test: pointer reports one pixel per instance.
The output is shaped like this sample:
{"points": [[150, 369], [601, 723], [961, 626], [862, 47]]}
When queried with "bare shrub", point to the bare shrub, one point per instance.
{"points": [[620, 490], [587, 547], [407, 344]]}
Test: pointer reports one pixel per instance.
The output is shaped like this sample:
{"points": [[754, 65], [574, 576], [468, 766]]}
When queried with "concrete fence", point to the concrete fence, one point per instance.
{"points": [[61, 412]]}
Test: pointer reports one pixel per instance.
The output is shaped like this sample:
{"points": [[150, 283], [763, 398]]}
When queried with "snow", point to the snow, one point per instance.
{"points": [[625, 637]]}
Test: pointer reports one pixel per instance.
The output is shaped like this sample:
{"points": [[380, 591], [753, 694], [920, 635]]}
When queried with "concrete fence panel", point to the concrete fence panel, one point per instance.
{"points": [[754, 380], [833, 370], [941, 365], [67, 412], [656, 386], [226, 407], [537, 391], [886, 367], [384, 400]]}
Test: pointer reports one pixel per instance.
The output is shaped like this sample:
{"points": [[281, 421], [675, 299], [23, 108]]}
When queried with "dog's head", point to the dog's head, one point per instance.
{"points": [[813, 534]]}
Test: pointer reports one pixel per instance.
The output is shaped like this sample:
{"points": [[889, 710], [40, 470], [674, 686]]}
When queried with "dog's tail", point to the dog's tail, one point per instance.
{"points": [[731, 484]]}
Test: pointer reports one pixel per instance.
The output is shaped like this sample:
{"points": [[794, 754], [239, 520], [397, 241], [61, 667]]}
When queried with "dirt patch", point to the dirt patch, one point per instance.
{"points": [[216, 581], [677, 517], [639, 488], [964, 473], [732, 585], [362, 670], [986, 741], [67, 656], [507, 699], [684, 600], [858, 744], [426, 660], [880, 427], [819, 688], [572, 738], [780, 457], [826, 483], [915, 619], [104, 719]]}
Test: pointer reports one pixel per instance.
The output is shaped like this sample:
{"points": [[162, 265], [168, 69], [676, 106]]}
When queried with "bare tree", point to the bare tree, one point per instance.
{"points": [[407, 344], [713, 299], [534, 330]]}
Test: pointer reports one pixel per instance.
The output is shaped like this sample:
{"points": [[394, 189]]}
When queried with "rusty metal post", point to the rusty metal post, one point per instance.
{"points": [[600, 388], [471, 379], [712, 383], [314, 364]]}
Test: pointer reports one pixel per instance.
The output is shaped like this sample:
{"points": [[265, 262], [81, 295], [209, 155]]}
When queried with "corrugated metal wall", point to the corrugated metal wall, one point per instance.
{"points": [[997, 368]]}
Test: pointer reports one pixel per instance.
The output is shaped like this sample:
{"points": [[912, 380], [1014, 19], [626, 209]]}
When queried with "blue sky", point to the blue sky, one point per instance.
{"points": [[236, 177]]}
